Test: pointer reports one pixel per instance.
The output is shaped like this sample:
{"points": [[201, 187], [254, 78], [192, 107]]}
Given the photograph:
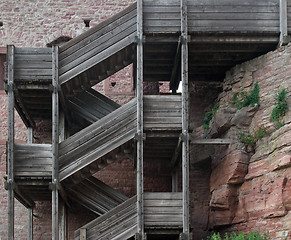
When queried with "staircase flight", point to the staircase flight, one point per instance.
{"points": [[91, 105], [95, 195], [118, 224], [109, 43], [96, 140]]}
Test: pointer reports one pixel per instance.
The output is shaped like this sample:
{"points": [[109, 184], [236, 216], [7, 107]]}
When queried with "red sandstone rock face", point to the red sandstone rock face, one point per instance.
{"points": [[261, 182], [231, 170]]}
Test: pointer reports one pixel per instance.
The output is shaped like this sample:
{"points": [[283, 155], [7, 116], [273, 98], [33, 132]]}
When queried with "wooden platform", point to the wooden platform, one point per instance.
{"points": [[162, 211]]}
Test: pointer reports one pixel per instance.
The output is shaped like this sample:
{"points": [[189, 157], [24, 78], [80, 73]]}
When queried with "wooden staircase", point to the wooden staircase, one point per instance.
{"points": [[161, 211], [82, 63], [118, 224], [100, 138], [95, 195], [99, 52], [91, 105]]}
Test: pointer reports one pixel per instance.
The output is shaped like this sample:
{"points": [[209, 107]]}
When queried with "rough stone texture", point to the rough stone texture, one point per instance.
{"points": [[35, 24], [259, 201], [231, 170], [262, 180]]}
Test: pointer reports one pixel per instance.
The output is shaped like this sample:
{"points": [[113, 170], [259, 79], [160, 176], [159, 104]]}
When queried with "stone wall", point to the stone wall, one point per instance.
{"points": [[250, 187], [37, 23]]}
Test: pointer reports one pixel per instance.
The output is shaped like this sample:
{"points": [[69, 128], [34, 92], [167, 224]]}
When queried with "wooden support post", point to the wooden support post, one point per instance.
{"points": [[83, 234], [62, 205], [55, 141], [30, 223], [30, 210], [10, 145], [284, 39], [62, 219], [29, 135], [62, 133], [139, 148], [185, 120]]}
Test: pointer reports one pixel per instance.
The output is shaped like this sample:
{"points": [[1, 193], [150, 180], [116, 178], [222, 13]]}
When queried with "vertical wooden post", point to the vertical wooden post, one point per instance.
{"points": [[139, 92], [83, 234], [10, 145], [175, 180], [30, 210], [62, 206], [29, 135], [283, 23], [55, 141], [185, 119], [62, 221], [30, 223]]}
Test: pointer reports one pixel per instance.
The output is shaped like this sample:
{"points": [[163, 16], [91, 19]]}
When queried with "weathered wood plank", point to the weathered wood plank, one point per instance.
{"points": [[33, 51], [33, 147], [283, 23], [216, 141], [97, 46], [92, 105], [55, 143], [32, 65], [81, 137], [233, 4], [162, 195], [10, 143], [98, 138], [163, 209], [94, 155], [185, 119], [103, 224], [162, 112], [97, 58], [97, 28], [34, 58], [98, 38]]}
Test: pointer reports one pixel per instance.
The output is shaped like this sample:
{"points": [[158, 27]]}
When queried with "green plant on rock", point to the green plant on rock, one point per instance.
{"points": [[209, 116], [250, 139], [243, 100], [240, 236], [280, 109]]}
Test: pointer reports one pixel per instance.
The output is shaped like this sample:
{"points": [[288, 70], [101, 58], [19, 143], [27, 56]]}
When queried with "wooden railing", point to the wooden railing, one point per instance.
{"points": [[97, 44], [98, 139], [206, 16], [96, 196], [163, 210], [119, 223], [91, 105], [33, 160], [162, 112], [33, 64]]}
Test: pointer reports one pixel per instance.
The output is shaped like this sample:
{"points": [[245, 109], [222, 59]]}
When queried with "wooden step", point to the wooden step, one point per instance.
{"points": [[119, 223], [98, 139], [98, 44], [95, 195], [91, 105]]}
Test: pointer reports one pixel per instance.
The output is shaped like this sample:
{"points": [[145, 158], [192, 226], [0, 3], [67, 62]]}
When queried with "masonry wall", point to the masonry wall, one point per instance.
{"points": [[37, 23], [248, 190]]}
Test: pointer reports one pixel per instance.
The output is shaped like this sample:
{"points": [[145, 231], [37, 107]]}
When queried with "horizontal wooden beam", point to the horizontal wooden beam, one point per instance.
{"points": [[215, 141]]}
